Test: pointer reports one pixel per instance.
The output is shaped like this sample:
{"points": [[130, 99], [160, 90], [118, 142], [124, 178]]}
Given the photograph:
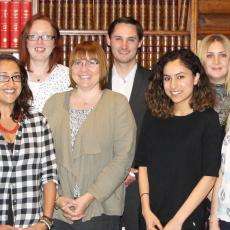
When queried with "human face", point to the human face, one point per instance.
{"points": [[179, 82], [40, 49], [216, 63], [9, 91], [124, 43], [85, 73]]}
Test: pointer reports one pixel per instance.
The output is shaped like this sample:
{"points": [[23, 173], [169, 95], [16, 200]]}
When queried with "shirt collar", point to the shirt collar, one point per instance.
{"points": [[128, 77]]}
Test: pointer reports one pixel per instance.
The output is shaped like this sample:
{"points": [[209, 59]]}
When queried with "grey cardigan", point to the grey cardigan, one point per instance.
{"points": [[103, 151]]}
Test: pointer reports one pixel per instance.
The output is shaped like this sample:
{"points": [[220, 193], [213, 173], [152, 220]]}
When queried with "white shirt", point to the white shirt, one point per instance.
{"points": [[123, 85], [223, 211], [58, 81]]}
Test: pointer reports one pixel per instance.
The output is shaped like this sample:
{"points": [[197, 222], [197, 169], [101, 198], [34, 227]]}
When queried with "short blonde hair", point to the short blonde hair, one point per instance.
{"points": [[90, 49], [203, 49]]}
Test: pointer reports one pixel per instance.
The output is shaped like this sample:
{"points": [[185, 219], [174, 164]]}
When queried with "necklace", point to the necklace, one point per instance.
{"points": [[11, 131]]}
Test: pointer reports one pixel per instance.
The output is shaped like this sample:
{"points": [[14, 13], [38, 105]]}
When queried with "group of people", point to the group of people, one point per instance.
{"points": [[90, 147]]}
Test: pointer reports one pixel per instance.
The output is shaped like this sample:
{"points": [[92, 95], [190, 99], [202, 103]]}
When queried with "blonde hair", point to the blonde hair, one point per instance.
{"points": [[203, 49]]}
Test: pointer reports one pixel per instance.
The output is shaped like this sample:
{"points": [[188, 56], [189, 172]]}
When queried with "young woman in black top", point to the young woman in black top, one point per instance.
{"points": [[179, 149]]}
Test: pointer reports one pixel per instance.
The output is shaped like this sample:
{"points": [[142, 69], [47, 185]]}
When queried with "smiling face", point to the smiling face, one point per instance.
{"points": [[9, 91], [124, 43], [85, 73], [40, 49], [179, 82], [216, 63]]}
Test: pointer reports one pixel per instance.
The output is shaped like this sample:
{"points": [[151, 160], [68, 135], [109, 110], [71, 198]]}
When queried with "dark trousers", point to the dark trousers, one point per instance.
{"points": [[103, 222], [224, 225], [130, 218]]}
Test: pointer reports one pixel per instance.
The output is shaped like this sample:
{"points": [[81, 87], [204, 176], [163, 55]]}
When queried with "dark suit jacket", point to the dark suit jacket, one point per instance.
{"points": [[137, 97]]}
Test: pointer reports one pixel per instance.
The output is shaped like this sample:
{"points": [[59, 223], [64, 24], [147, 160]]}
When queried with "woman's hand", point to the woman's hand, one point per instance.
{"points": [[131, 177], [152, 222], [81, 205], [173, 224], [67, 205]]}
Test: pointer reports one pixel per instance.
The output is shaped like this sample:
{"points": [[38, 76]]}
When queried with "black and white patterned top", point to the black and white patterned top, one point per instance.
{"points": [[24, 171], [222, 106], [57, 82], [77, 117]]}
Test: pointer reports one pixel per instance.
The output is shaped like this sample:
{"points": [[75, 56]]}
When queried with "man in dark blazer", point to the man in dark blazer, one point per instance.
{"points": [[127, 77]]}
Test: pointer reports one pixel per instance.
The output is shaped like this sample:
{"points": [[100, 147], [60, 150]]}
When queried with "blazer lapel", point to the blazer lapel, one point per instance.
{"points": [[109, 85], [136, 87], [64, 133]]}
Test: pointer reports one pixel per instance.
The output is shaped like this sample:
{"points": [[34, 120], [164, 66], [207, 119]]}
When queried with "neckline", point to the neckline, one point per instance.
{"points": [[74, 109], [184, 116], [67, 100], [40, 81]]}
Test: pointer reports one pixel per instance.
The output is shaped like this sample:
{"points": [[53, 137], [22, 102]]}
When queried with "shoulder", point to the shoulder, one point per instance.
{"points": [[151, 119], [35, 119], [209, 119], [61, 68], [110, 96], [115, 103], [209, 114], [58, 97], [146, 73], [60, 72], [57, 100]]}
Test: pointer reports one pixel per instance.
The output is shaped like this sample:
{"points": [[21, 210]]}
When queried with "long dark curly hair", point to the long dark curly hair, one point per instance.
{"points": [[160, 104], [21, 108]]}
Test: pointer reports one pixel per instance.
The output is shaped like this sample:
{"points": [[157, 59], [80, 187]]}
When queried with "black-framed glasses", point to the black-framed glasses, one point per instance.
{"points": [[43, 37], [90, 63], [6, 78]]}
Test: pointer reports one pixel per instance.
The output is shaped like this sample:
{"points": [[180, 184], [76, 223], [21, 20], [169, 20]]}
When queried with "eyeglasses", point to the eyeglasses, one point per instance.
{"points": [[36, 37], [91, 63], [5, 78]]}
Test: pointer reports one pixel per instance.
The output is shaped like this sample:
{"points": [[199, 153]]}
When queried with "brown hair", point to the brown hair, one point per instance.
{"points": [[90, 49], [160, 104], [203, 49], [23, 51], [129, 21], [22, 103]]}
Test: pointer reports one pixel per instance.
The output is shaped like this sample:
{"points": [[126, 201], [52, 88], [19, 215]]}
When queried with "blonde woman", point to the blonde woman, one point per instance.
{"points": [[214, 52]]}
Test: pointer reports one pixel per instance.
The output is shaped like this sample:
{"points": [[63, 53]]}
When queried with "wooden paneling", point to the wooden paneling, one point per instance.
{"points": [[214, 17], [214, 6]]}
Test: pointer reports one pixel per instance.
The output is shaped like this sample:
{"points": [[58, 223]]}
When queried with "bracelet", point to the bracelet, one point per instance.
{"points": [[48, 218], [144, 193], [47, 221], [44, 222]]}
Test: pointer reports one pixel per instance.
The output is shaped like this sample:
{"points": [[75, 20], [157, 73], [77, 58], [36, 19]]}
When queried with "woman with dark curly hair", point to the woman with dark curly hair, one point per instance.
{"points": [[179, 149], [27, 158]]}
